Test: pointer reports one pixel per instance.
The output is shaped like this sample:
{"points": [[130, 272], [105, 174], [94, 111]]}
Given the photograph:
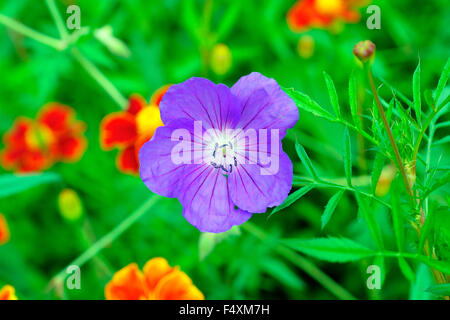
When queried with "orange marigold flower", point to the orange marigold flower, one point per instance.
{"points": [[157, 281], [307, 14], [8, 293], [129, 130], [4, 230], [35, 145]]}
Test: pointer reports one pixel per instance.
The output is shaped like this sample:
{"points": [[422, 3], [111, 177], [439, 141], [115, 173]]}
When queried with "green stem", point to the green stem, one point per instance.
{"points": [[95, 73], [58, 19], [303, 264], [109, 237], [389, 132], [356, 129], [422, 133], [35, 35], [327, 184]]}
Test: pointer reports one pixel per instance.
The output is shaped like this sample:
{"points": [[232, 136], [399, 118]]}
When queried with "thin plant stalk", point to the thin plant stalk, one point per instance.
{"points": [[398, 158], [303, 264], [108, 238], [32, 34]]}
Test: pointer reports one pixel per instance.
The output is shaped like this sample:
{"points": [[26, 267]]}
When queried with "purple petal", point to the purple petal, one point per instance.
{"points": [[255, 186], [157, 169], [207, 204], [265, 105], [202, 189], [201, 100]]}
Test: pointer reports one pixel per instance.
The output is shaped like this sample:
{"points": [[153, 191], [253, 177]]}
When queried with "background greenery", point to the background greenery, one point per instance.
{"points": [[167, 41]]}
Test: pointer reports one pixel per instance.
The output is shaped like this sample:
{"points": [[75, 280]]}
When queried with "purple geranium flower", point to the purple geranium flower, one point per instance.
{"points": [[219, 151]]}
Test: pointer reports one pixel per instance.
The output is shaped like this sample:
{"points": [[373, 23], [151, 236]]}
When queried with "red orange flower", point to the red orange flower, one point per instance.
{"points": [[4, 230], [129, 130], [307, 14], [35, 145], [8, 293], [157, 281]]}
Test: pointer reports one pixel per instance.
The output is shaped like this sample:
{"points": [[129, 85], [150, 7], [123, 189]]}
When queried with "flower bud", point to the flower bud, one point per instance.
{"points": [[364, 51], [70, 205], [115, 46], [305, 46], [385, 180], [220, 59]]}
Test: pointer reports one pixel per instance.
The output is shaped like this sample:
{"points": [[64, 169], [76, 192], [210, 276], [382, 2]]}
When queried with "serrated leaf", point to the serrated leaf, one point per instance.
{"points": [[306, 103], [440, 289], [306, 161], [333, 94], [331, 249], [416, 94], [292, 198], [377, 168], [347, 157], [353, 99], [371, 221], [12, 184], [330, 207], [438, 183]]}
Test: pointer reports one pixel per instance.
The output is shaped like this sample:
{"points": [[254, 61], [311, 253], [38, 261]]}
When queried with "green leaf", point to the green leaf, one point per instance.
{"points": [[306, 103], [443, 266], [440, 289], [306, 161], [331, 249], [442, 81], [281, 272], [428, 95], [397, 217], [398, 93], [426, 228], [330, 207], [416, 94], [353, 99], [228, 20], [372, 224], [347, 157], [333, 94], [424, 280], [377, 168], [208, 241], [380, 262], [11, 183], [292, 198], [440, 182], [406, 270]]}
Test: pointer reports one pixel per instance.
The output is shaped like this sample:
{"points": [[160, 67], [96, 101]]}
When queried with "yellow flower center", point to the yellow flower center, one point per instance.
{"points": [[329, 7], [148, 119], [39, 136]]}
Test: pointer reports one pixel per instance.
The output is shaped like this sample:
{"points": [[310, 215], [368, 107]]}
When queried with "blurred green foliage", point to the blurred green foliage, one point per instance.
{"points": [[167, 41]]}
